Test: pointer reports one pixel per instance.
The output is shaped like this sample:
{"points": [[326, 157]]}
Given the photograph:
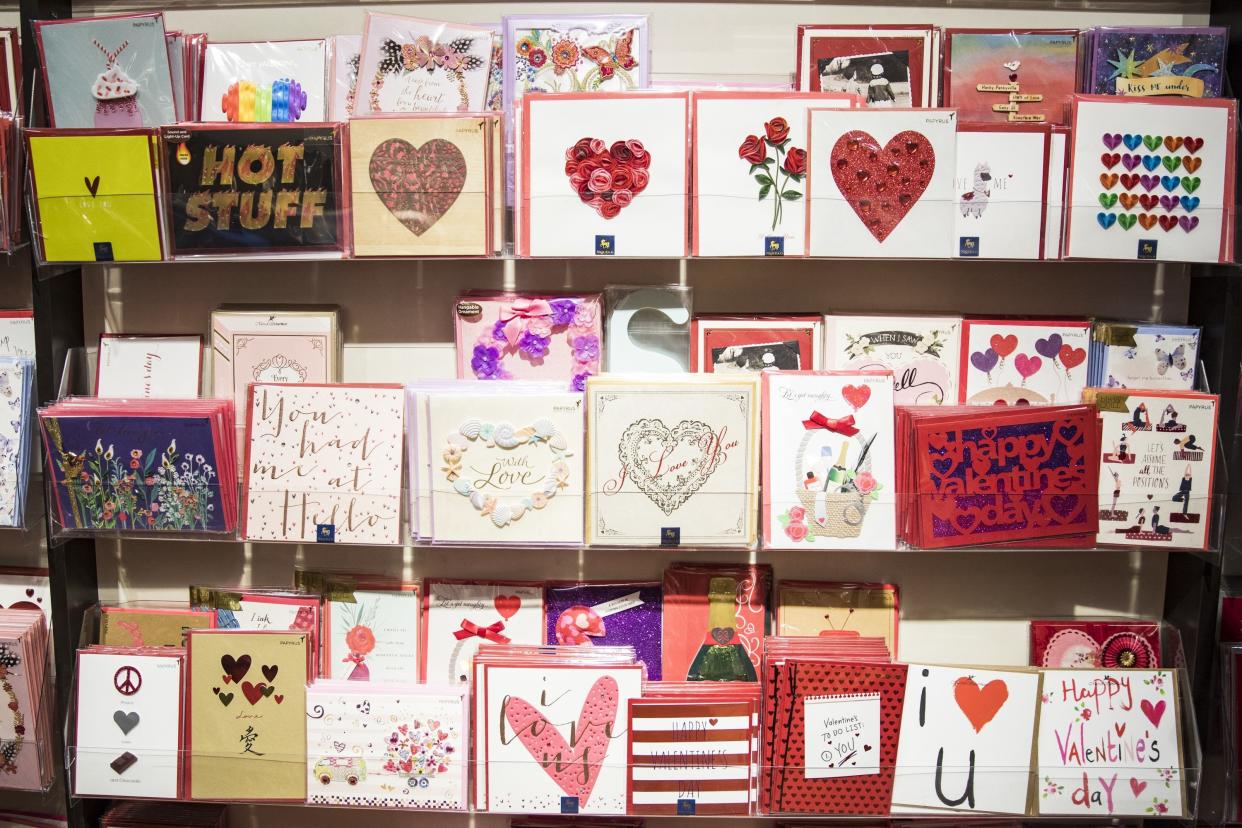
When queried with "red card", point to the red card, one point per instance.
{"points": [[1105, 645]]}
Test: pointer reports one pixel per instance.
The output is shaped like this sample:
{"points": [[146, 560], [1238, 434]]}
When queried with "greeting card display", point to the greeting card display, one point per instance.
{"points": [[17, 404], [827, 610], [555, 337], [828, 468], [603, 174], [128, 729], [27, 761], [150, 626], [1111, 645], [649, 329], [672, 461], [887, 66], [1000, 192], [1180, 61], [1083, 709], [26, 588], [262, 82], [966, 740], [149, 366], [748, 143], [94, 195], [370, 627], [414, 65], [246, 711], [880, 183], [608, 615], [1134, 355], [459, 617], [1024, 361], [1011, 76], [254, 189], [344, 61], [728, 344], [323, 463], [1158, 453], [921, 351], [1151, 180], [421, 186], [715, 620], [398, 746], [106, 72]]}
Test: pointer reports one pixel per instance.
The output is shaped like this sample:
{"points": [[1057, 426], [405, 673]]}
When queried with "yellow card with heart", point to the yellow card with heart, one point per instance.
{"points": [[247, 715], [95, 195], [421, 185]]}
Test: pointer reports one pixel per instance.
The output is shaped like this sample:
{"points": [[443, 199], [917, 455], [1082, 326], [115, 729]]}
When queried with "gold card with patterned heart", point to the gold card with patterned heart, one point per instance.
{"points": [[422, 185], [672, 461]]}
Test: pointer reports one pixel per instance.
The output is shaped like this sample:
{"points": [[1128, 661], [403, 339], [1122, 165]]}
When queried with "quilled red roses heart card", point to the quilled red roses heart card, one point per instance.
{"points": [[1001, 185], [603, 174], [880, 183], [1024, 361]]}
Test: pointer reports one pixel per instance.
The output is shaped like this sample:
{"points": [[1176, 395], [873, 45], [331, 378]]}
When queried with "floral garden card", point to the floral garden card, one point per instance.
{"points": [[414, 65], [460, 616], [1024, 361], [672, 460], [372, 634], [1000, 191], [921, 351]]}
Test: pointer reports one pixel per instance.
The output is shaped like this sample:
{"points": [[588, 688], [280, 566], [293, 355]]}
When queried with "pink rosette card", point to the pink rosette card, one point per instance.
{"points": [[529, 337], [414, 65], [461, 616], [1024, 361]]}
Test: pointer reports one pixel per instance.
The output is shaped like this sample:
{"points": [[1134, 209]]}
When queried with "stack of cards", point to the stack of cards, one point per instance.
{"points": [[151, 626], [715, 621], [1143, 355], [1024, 361], [413, 65], [1011, 76], [608, 614], [827, 610], [546, 337], [141, 465], [17, 413], [1005, 174], [263, 610], [27, 761]]}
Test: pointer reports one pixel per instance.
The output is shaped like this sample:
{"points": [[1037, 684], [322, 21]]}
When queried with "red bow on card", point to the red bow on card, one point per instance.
{"points": [[844, 425], [521, 312], [490, 632]]}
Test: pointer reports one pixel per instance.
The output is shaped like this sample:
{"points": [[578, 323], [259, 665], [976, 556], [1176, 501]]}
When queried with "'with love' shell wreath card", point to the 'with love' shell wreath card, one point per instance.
{"points": [[546, 337], [603, 174], [1024, 361], [880, 183], [672, 460], [1151, 180], [749, 144], [1000, 186], [421, 185], [414, 65], [828, 473]]}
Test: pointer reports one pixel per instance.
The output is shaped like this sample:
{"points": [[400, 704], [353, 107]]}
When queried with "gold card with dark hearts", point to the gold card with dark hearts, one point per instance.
{"points": [[247, 715], [150, 627]]}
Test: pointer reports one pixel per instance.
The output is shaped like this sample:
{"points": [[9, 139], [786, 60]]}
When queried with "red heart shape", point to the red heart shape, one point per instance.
{"points": [[980, 704], [1192, 145], [235, 667], [279, 698], [856, 395], [1149, 201], [1167, 223], [1153, 712], [1137, 787], [507, 605], [608, 179], [253, 692], [1129, 180], [1110, 160], [882, 184], [1071, 357], [1003, 345], [418, 185]]}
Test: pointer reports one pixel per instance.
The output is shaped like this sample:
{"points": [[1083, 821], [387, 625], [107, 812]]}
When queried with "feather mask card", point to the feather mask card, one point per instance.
{"points": [[880, 183], [1000, 192], [1024, 361], [921, 351], [1148, 356], [459, 617], [414, 65], [1151, 180], [829, 478], [265, 82], [1010, 76], [604, 174], [672, 461]]}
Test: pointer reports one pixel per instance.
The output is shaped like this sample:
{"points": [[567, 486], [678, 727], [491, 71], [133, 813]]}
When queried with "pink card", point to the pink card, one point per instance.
{"points": [[529, 337]]}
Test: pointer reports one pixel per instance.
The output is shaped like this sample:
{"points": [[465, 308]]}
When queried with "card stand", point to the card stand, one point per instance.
{"points": [[32, 745]]}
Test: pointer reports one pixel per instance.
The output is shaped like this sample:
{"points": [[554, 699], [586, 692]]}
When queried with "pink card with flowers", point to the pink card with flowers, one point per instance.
{"points": [[529, 337]]}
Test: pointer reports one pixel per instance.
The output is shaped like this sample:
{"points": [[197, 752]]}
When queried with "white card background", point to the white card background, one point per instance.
{"points": [[842, 736], [392, 616], [420, 90], [923, 352], [304, 61], [1005, 211], [17, 336], [1050, 383], [449, 657], [167, 367]]}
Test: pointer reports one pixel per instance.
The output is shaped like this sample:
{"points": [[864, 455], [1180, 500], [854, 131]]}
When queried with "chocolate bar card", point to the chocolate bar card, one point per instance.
{"points": [[887, 65], [1157, 467], [1151, 180], [1145, 356], [1109, 744], [921, 352], [459, 617], [1000, 192], [262, 82], [1024, 361], [1010, 76], [1174, 61], [415, 65], [254, 189], [880, 183], [966, 740], [1111, 645]]}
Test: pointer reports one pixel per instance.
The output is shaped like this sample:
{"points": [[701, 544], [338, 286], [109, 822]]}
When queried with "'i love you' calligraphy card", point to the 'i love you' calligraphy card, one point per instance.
{"points": [[324, 463], [1024, 361]]}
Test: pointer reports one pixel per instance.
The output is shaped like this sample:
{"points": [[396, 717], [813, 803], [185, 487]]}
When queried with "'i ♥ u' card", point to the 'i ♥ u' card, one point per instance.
{"points": [[1024, 361]]}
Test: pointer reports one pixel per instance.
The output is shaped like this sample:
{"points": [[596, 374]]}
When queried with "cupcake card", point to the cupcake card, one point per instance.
{"points": [[413, 65], [1000, 192], [921, 351], [282, 81], [552, 337], [1024, 361]]}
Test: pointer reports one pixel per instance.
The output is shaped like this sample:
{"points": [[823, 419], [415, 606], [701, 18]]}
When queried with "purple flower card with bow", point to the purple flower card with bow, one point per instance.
{"points": [[529, 337], [608, 615]]}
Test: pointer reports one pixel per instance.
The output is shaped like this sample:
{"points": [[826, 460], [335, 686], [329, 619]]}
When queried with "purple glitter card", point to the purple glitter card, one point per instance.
{"points": [[608, 615], [1142, 62]]}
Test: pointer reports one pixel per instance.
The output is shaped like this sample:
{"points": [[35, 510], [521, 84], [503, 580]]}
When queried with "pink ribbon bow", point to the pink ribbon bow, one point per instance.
{"points": [[521, 313], [489, 633], [843, 425]]}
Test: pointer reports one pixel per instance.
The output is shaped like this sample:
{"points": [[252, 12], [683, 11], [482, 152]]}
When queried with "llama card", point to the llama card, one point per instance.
{"points": [[1000, 192]]}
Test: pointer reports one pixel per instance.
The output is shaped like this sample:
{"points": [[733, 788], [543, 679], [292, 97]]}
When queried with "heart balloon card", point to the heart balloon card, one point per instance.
{"points": [[1024, 361]]}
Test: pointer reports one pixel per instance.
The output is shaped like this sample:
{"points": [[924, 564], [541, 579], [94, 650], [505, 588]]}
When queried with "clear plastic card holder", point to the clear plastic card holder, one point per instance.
{"points": [[648, 328]]}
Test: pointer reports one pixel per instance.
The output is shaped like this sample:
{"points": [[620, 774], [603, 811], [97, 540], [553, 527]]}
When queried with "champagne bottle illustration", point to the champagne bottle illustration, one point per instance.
{"points": [[838, 476], [721, 656]]}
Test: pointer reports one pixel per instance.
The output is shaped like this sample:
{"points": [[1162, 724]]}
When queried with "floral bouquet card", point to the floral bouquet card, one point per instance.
{"points": [[554, 337], [1151, 180], [921, 352], [880, 183], [371, 628], [672, 460], [1011, 76], [1024, 361], [828, 462], [265, 82], [1183, 61], [886, 65], [460, 616], [607, 615], [414, 65], [1000, 193], [603, 174], [1150, 356]]}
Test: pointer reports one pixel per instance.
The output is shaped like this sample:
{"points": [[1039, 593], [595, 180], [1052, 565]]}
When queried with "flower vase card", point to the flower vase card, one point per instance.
{"points": [[887, 65], [323, 463], [371, 630], [672, 460], [1000, 192], [345, 58], [264, 82], [128, 730], [1024, 361], [246, 706], [106, 72], [554, 337], [856, 208], [460, 616], [150, 626], [607, 615], [1169, 61], [748, 143], [604, 174], [420, 186], [511, 479], [921, 351], [966, 741], [149, 366], [578, 713], [93, 195], [1011, 75], [715, 621], [1149, 356], [828, 464], [414, 65], [1151, 180], [255, 189], [1137, 715], [824, 610], [728, 344], [1111, 645], [1158, 467]]}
